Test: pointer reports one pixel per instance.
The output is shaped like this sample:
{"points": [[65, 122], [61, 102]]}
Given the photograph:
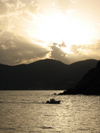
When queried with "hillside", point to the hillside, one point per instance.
{"points": [[90, 83], [43, 74]]}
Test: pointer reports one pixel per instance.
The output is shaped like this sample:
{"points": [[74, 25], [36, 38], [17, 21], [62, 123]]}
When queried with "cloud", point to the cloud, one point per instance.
{"points": [[17, 19], [20, 27], [82, 52], [52, 6], [20, 16], [58, 54], [3, 8], [62, 45], [18, 48], [74, 1]]}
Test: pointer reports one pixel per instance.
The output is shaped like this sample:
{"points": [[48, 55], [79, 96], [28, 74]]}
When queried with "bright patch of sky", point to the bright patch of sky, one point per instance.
{"points": [[36, 29]]}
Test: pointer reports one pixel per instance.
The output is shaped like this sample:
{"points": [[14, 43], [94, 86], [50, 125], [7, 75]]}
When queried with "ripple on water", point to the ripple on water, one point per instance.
{"points": [[26, 112]]}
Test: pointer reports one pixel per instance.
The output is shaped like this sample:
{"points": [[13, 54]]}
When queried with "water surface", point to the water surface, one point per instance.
{"points": [[27, 112]]}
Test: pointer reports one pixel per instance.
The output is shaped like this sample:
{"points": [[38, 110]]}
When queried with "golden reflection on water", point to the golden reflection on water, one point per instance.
{"points": [[27, 112]]}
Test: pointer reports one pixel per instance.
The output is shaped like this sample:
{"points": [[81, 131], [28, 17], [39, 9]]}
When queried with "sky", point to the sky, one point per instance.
{"points": [[65, 30]]}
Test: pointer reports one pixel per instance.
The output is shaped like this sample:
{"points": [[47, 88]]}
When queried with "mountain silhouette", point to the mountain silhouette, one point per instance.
{"points": [[88, 85], [43, 74]]}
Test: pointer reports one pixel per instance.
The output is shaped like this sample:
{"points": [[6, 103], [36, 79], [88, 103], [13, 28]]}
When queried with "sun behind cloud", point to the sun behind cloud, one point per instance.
{"points": [[57, 27], [45, 23]]}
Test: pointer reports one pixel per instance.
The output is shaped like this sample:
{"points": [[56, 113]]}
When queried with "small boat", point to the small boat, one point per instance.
{"points": [[53, 101]]}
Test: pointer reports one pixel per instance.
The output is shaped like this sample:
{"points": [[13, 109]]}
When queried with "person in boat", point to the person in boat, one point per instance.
{"points": [[52, 100]]}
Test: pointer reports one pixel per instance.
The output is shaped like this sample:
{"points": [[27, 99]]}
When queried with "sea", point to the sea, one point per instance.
{"points": [[27, 112]]}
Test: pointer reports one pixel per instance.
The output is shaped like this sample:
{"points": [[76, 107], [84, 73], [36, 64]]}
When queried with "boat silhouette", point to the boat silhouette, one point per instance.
{"points": [[53, 101]]}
